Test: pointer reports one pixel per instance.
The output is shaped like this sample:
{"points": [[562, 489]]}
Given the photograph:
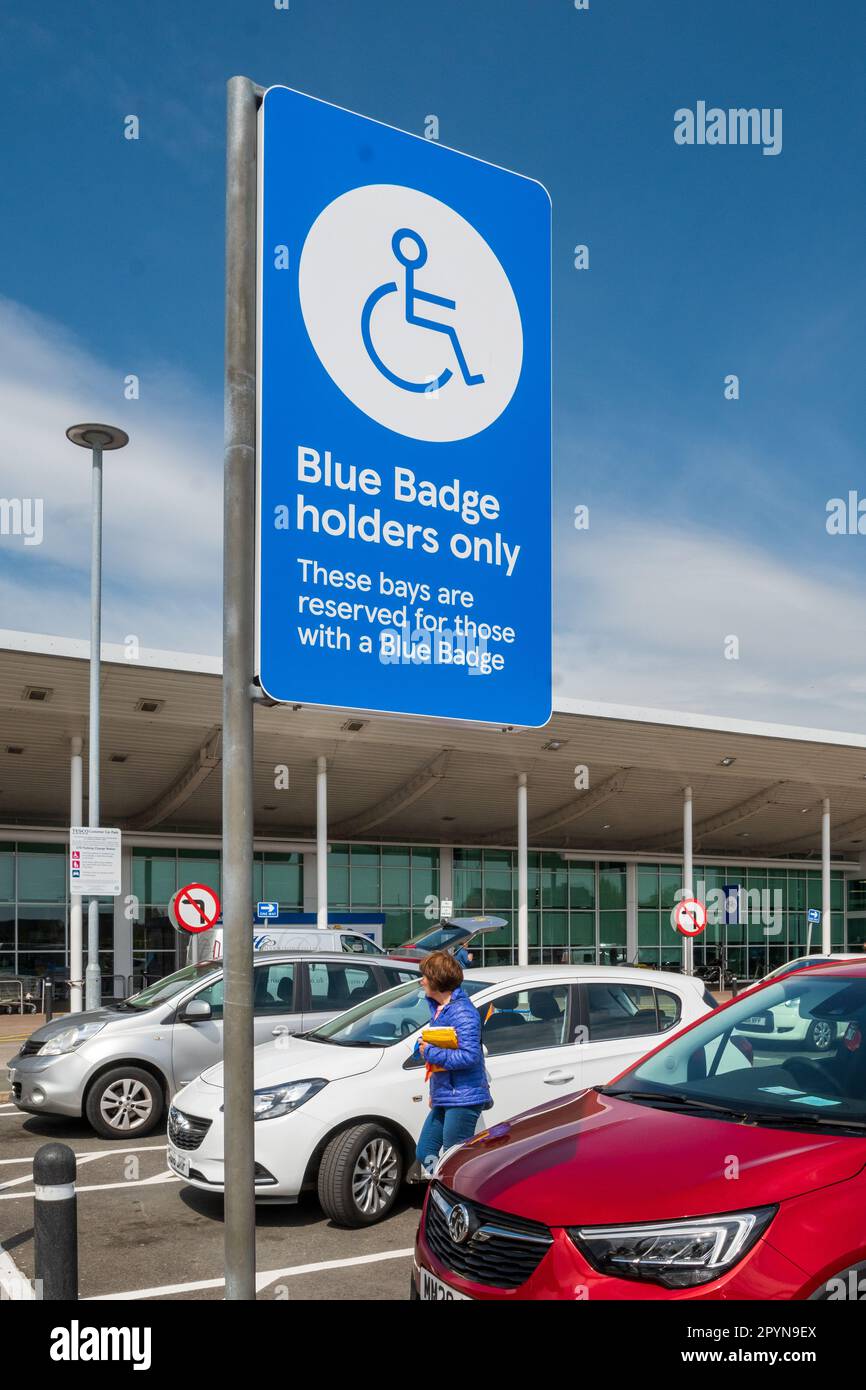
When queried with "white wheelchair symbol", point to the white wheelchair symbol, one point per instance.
{"points": [[403, 243]]}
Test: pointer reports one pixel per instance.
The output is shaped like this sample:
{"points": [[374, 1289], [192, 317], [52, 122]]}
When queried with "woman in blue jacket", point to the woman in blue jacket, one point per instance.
{"points": [[458, 1080]]}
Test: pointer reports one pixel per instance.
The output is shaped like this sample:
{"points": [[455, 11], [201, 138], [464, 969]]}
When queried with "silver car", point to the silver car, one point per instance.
{"points": [[119, 1066]]}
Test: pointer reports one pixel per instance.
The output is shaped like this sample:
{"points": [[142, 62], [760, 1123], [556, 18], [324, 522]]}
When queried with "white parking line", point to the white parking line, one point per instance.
{"points": [[98, 1153], [82, 1159], [103, 1186], [263, 1278]]}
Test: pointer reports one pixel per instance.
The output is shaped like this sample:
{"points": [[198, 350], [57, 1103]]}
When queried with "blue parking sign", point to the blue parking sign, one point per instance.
{"points": [[404, 449]]}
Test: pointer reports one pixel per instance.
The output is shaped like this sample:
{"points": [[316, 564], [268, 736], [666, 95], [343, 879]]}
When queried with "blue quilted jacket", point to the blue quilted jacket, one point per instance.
{"points": [[464, 1081]]}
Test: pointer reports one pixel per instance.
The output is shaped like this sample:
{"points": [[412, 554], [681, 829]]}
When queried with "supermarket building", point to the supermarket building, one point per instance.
{"points": [[420, 813]]}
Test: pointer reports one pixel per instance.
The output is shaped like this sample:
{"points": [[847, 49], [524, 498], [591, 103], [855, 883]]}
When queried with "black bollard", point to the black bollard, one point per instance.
{"points": [[55, 1223], [48, 999]]}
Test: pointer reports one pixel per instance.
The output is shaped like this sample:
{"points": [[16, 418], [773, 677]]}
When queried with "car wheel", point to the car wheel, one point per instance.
{"points": [[821, 1034], [360, 1175], [124, 1102]]}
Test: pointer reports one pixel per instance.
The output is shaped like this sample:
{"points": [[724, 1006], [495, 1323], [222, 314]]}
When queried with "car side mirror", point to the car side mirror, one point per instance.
{"points": [[197, 1011]]}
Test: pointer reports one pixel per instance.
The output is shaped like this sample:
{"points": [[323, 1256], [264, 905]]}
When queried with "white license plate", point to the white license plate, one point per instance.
{"points": [[178, 1161], [433, 1290]]}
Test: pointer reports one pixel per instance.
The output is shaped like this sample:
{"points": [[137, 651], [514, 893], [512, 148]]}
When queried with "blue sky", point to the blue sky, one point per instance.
{"points": [[707, 515]]}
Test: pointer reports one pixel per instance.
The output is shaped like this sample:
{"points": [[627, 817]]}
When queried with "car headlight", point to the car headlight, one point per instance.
{"points": [[279, 1100], [69, 1039], [678, 1254]]}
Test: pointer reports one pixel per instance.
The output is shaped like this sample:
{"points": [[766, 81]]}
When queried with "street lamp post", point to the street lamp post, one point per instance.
{"points": [[97, 438]]}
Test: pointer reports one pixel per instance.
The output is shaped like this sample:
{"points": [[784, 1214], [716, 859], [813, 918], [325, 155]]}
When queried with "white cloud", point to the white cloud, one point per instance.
{"points": [[162, 494], [643, 615]]}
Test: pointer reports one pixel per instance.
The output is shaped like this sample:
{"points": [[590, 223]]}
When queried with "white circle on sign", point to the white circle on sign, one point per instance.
{"points": [[691, 917], [410, 313]]}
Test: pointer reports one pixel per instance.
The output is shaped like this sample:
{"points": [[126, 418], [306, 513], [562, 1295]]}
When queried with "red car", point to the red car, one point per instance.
{"points": [[727, 1164]]}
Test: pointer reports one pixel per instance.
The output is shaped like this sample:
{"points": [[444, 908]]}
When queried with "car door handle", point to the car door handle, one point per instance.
{"points": [[558, 1077]]}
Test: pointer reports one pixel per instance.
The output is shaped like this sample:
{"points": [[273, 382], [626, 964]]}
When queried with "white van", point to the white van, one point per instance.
{"points": [[208, 945]]}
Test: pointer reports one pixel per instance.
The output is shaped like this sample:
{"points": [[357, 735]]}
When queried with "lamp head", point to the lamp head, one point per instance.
{"points": [[90, 436]]}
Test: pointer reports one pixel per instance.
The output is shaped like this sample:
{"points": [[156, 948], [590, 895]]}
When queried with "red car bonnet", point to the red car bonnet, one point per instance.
{"points": [[590, 1159]]}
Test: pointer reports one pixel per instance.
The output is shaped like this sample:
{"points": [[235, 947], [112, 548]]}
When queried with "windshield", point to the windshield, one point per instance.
{"points": [[172, 984], [384, 1020], [791, 1053]]}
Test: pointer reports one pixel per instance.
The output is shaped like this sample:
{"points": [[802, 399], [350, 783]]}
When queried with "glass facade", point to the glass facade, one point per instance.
{"points": [[574, 908], [773, 925], [157, 874], [856, 915], [34, 914], [577, 909], [400, 881]]}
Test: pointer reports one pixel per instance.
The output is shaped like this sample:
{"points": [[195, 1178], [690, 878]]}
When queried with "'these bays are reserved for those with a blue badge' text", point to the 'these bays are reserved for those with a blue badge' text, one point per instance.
{"points": [[408, 632]]}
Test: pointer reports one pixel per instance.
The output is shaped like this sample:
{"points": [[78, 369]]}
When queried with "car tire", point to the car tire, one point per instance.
{"points": [[821, 1034], [414, 1296], [360, 1175], [125, 1102]]}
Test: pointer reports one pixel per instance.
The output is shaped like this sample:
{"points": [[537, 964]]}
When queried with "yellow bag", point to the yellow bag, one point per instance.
{"points": [[439, 1037]]}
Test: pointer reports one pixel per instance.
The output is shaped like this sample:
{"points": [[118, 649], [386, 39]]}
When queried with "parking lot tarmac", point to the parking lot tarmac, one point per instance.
{"points": [[144, 1235]]}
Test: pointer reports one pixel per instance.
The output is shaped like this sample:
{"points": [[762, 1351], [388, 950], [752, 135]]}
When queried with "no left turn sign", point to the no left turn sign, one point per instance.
{"points": [[691, 917], [194, 908]]}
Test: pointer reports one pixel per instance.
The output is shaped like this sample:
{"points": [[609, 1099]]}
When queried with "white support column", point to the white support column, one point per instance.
{"points": [[522, 873], [322, 843], [631, 939], [76, 918], [826, 933], [688, 876], [446, 877]]}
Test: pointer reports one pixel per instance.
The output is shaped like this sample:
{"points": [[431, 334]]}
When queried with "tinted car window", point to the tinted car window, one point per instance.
{"points": [[526, 1021], [360, 946], [621, 1011], [384, 1021], [274, 988], [335, 986], [213, 995], [438, 938], [670, 1008]]}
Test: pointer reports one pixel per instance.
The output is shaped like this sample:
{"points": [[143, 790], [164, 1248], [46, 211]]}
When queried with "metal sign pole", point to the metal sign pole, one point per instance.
{"points": [[92, 975], [238, 662]]}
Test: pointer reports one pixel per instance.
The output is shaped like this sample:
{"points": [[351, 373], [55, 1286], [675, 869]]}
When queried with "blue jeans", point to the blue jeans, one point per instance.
{"points": [[445, 1125]]}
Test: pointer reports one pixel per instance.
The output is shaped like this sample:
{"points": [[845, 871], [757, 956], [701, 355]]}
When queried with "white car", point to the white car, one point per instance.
{"points": [[803, 963], [789, 1022], [340, 1109]]}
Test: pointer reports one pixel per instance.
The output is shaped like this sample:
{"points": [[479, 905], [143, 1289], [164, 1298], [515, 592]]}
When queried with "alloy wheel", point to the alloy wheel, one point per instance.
{"points": [[374, 1177], [126, 1104]]}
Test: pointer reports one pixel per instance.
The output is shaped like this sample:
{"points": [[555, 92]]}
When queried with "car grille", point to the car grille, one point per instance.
{"points": [[186, 1131], [30, 1048], [501, 1250]]}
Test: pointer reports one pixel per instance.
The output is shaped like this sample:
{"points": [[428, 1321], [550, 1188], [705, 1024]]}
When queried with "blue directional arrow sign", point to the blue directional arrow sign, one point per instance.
{"points": [[404, 528], [267, 910]]}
